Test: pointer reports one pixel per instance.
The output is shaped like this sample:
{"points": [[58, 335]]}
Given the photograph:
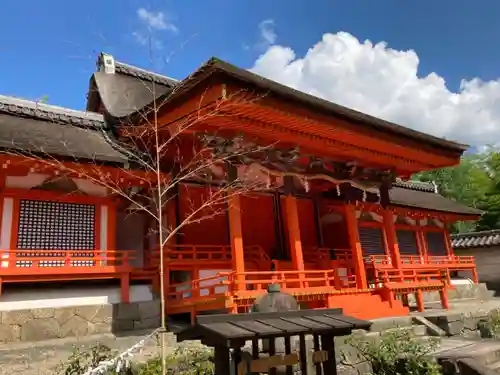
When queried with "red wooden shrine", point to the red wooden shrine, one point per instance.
{"points": [[335, 224]]}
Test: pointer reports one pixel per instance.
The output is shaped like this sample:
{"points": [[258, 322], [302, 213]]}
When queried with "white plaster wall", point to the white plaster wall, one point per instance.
{"points": [[66, 297], [34, 179], [130, 234], [5, 237], [90, 187], [103, 235], [208, 273], [25, 182]]}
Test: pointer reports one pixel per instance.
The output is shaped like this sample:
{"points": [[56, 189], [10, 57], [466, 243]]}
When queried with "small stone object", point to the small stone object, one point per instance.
{"points": [[275, 301]]}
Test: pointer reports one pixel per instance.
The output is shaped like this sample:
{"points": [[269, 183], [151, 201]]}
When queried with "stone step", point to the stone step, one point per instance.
{"points": [[486, 353], [495, 366]]}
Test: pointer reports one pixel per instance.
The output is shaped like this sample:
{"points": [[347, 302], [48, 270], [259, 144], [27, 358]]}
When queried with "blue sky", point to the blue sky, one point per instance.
{"points": [[49, 47]]}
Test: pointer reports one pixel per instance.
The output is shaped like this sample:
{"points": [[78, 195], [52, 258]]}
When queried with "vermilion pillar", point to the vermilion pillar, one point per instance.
{"points": [[422, 245], [447, 242], [293, 226], [354, 241], [236, 236], [392, 240]]}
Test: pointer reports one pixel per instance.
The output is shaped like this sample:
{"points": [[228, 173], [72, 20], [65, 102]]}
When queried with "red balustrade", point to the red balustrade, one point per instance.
{"points": [[258, 282], [26, 262], [210, 253], [20, 265]]}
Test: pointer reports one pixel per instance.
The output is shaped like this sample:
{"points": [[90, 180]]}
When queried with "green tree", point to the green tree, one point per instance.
{"points": [[467, 183], [491, 200]]}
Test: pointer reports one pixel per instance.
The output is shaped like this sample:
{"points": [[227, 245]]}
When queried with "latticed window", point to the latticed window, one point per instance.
{"points": [[47, 225], [436, 244], [407, 242], [372, 240]]}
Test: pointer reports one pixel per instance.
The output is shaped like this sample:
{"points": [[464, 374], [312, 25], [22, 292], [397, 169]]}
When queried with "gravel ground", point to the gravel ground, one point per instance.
{"points": [[42, 358]]}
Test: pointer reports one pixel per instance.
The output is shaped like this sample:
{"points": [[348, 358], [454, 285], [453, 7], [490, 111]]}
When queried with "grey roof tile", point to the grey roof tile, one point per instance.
{"points": [[416, 185], [423, 195], [476, 239]]}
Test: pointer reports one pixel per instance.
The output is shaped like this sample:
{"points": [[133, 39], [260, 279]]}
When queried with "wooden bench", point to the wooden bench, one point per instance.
{"points": [[390, 290]]}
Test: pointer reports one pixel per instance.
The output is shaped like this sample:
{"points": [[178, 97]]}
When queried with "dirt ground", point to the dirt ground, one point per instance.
{"points": [[42, 358]]}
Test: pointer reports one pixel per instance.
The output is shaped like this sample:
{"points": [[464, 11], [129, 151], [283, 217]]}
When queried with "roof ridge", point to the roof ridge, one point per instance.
{"points": [[125, 68], [476, 234], [48, 112], [416, 185]]}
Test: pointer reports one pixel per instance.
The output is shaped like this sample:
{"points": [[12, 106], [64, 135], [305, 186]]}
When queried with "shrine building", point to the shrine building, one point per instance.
{"points": [[336, 220]]}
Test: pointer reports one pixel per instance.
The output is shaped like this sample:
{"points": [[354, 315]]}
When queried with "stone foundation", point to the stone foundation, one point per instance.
{"points": [[459, 292], [52, 323]]}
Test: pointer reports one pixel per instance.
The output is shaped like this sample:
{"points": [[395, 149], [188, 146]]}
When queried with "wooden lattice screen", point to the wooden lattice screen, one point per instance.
{"points": [[436, 243], [47, 225], [372, 241], [407, 241]]}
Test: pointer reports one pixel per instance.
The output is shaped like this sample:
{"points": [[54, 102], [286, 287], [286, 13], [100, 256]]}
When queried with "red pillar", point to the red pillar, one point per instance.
{"points": [[422, 245], [236, 235], [354, 241], [392, 240], [293, 226], [447, 242]]}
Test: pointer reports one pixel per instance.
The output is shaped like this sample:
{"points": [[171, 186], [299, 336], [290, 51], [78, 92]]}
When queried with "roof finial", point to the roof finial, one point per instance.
{"points": [[106, 63], [436, 190]]}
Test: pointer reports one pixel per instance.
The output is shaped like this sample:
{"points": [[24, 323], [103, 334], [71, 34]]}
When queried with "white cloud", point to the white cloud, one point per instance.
{"points": [[268, 35], [383, 82], [147, 40], [155, 21]]}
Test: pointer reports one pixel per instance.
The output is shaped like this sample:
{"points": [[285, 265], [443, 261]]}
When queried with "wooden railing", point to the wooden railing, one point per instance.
{"points": [[228, 283], [19, 265], [210, 253], [411, 275], [421, 260], [199, 253], [322, 254], [20, 261]]}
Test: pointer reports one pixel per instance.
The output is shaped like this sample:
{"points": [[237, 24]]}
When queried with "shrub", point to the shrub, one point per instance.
{"points": [[81, 361], [183, 361], [397, 352], [490, 327]]}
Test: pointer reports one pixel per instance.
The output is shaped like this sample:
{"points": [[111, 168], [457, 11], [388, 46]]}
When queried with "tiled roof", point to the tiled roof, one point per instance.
{"points": [[418, 194], [476, 239], [40, 111], [416, 185], [28, 126]]}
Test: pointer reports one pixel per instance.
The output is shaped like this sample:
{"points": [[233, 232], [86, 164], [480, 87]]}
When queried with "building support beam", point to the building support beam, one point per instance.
{"points": [[293, 226], [236, 237], [422, 244], [392, 239], [355, 243]]}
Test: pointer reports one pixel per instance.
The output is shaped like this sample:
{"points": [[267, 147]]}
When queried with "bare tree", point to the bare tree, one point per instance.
{"points": [[161, 159]]}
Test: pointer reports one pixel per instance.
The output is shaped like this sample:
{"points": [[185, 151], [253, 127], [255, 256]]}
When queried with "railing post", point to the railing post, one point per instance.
{"points": [[124, 257], [475, 278], [125, 287]]}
